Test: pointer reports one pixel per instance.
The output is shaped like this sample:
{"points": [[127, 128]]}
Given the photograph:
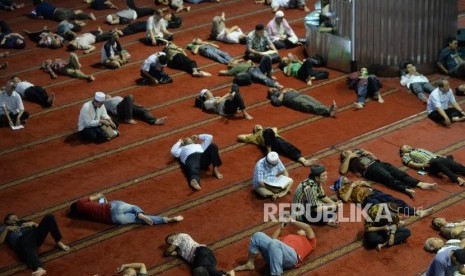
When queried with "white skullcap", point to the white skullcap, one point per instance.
{"points": [[99, 96], [279, 14], [272, 158], [202, 92]]}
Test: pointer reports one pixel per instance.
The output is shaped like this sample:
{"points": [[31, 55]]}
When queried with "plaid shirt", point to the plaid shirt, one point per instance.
{"points": [[264, 172]]}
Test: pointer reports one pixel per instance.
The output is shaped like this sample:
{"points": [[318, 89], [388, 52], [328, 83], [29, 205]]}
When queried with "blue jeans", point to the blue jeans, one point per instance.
{"points": [[276, 253], [215, 54], [124, 213]]}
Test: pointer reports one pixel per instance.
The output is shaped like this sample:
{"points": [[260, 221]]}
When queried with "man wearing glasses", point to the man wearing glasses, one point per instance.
{"points": [[271, 178]]}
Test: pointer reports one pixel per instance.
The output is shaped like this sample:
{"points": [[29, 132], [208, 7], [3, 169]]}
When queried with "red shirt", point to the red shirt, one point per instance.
{"points": [[301, 244], [94, 210]]}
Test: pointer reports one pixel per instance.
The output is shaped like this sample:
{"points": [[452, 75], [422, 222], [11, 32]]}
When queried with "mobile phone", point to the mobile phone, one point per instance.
{"points": [[421, 172]]}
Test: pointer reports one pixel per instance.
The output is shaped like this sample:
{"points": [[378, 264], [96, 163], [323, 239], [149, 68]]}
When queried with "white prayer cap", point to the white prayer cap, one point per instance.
{"points": [[272, 158], [279, 14], [99, 96], [202, 92]]}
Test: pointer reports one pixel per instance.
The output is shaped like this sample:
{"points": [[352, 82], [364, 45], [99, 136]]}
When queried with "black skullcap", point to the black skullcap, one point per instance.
{"points": [[259, 27], [316, 170]]}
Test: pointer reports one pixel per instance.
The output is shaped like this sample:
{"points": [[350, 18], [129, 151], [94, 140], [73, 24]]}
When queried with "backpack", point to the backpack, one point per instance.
{"points": [[242, 79]]}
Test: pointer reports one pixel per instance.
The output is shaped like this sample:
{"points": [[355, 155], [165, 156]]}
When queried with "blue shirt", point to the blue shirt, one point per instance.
{"points": [[438, 99], [44, 9], [12, 237], [265, 172], [442, 264]]}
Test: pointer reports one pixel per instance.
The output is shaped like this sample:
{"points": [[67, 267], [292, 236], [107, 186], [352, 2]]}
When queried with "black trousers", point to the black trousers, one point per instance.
{"points": [[306, 71], [27, 245], [183, 63], [37, 94], [135, 27], [232, 105], [4, 28], [446, 166], [94, 134], [201, 161], [127, 110], [13, 117], [280, 145], [204, 263], [450, 112], [379, 197], [390, 176], [372, 239], [141, 12], [36, 36]]}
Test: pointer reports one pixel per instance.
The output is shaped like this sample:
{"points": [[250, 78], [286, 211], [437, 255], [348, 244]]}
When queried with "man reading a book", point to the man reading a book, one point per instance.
{"points": [[271, 178]]}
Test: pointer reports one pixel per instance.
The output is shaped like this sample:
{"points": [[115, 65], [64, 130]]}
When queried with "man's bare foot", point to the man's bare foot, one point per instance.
{"points": [[424, 213], [246, 115], [62, 246], [92, 16], [91, 78], [201, 74], [131, 122], [188, 8], [379, 246], [145, 218], [195, 185], [39, 272], [51, 99], [358, 105], [244, 267], [161, 121], [231, 273], [333, 223], [410, 192], [309, 82], [176, 219], [427, 186], [217, 173], [333, 109], [99, 30], [379, 98], [274, 197], [460, 181]]}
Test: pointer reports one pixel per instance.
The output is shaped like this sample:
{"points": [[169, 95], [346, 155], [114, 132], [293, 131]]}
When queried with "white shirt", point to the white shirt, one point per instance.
{"points": [[182, 152], [157, 27], [112, 103], [22, 86], [210, 105], [186, 246], [438, 99], [407, 79], [90, 116], [127, 13], [153, 60], [85, 41], [13, 103]]}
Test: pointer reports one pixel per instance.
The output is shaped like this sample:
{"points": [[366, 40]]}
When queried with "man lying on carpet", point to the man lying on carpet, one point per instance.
{"points": [[383, 226], [302, 102], [450, 230], [267, 172], [198, 256], [70, 68], [228, 105], [97, 208], [319, 208], [421, 159], [260, 74], [125, 110], [362, 192], [436, 245], [269, 140], [450, 261], [365, 85], [195, 153], [281, 253], [442, 106], [134, 269], [365, 163], [25, 238]]}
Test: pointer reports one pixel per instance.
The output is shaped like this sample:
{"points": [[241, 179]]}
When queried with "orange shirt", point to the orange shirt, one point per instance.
{"points": [[301, 244]]}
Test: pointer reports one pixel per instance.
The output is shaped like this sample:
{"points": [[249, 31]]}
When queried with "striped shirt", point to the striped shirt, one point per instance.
{"points": [[420, 156], [308, 192]]}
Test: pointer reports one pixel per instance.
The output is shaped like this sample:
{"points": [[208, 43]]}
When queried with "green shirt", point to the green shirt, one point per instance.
{"points": [[420, 156], [239, 68], [295, 66]]}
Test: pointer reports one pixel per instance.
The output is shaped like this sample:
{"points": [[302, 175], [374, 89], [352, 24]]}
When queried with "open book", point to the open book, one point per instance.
{"points": [[279, 182]]}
